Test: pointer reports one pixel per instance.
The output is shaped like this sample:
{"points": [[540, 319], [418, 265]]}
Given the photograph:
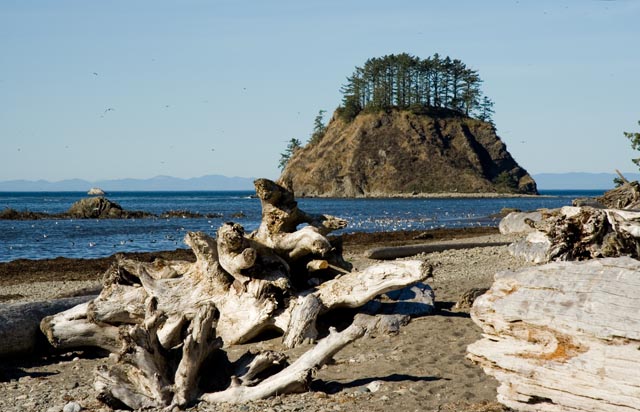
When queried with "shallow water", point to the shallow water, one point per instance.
{"points": [[89, 238]]}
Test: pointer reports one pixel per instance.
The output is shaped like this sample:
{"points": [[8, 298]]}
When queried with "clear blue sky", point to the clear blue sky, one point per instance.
{"points": [[115, 89]]}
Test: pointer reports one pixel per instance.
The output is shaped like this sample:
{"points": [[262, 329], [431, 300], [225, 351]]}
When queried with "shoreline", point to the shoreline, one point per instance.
{"points": [[442, 195], [424, 367]]}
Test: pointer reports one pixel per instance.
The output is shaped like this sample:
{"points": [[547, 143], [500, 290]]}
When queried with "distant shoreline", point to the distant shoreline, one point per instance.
{"points": [[446, 195]]}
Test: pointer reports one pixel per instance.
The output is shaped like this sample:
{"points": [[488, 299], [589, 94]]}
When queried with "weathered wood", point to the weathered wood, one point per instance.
{"points": [[72, 328], [519, 222], [20, 323], [626, 196], [296, 377], [415, 300], [579, 233], [165, 319], [396, 252], [317, 264], [563, 336]]}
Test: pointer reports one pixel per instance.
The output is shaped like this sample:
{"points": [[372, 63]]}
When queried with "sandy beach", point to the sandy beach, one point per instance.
{"points": [[423, 368]]}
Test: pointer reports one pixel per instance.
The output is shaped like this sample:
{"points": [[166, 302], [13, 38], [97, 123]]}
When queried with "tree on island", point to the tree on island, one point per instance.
{"points": [[404, 81], [318, 128], [634, 137], [293, 145]]}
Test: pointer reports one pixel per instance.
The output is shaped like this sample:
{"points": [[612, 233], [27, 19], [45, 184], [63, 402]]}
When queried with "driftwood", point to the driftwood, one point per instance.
{"points": [[167, 321], [581, 233], [519, 222], [395, 252], [563, 336], [20, 323], [626, 196]]}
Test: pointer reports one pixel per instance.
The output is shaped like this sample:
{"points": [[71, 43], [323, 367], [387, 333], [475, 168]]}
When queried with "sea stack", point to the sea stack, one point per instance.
{"points": [[404, 152]]}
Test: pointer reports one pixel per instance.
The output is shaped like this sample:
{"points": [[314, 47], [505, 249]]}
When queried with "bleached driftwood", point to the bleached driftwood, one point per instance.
{"points": [[20, 323], [580, 233], [166, 319], [626, 196], [519, 222], [396, 252], [297, 376], [563, 336]]}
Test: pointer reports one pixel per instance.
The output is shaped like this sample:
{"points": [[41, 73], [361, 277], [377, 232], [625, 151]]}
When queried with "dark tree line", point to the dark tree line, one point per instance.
{"points": [[404, 81]]}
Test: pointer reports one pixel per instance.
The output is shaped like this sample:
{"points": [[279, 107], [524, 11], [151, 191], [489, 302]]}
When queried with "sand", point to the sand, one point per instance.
{"points": [[423, 368]]}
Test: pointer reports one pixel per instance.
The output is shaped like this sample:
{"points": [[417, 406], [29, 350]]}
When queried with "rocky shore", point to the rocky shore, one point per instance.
{"points": [[422, 368], [99, 207]]}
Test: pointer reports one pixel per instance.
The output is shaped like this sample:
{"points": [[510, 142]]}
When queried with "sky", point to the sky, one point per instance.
{"points": [[136, 89]]}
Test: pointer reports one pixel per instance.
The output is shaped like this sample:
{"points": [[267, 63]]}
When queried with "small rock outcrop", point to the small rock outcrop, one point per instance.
{"points": [[101, 208], [402, 152], [96, 191]]}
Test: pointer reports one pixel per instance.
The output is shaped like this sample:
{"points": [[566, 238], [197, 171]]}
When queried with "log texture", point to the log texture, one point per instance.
{"points": [[581, 233], [563, 336], [20, 323]]}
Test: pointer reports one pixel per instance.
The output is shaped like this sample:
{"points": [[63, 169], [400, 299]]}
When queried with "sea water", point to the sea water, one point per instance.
{"points": [[90, 238]]}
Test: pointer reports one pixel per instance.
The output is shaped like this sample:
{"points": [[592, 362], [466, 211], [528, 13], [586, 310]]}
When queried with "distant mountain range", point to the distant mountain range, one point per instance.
{"points": [[545, 181], [158, 183]]}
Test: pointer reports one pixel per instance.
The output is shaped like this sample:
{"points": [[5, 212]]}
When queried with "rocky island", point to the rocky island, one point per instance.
{"points": [[407, 126], [401, 152]]}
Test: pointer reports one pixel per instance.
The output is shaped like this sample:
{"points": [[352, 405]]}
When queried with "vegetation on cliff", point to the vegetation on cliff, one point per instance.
{"points": [[404, 81]]}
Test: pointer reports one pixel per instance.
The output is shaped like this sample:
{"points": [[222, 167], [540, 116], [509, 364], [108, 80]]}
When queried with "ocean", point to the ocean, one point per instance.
{"points": [[92, 238]]}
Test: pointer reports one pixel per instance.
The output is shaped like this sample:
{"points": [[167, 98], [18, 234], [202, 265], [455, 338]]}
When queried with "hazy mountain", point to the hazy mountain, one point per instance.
{"points": [[160, 183], [545, 181], [579, 180]]}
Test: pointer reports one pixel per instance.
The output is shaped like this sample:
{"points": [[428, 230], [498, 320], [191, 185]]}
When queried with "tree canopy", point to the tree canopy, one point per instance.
{"points": [[405, 81]]}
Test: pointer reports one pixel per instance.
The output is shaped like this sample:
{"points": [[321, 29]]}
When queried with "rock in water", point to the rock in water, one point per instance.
{"points": [[100, 208], [401, 153], [96, 191]]}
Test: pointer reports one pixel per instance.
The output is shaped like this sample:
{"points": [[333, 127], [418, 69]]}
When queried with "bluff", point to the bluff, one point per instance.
{"points": [[401, 152]]}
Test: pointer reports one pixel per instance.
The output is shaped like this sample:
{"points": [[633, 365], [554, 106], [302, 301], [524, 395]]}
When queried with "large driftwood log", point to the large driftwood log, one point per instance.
{"points": [[166, 320], [563, 336], [580, 233], [395, 252], [20, 323]]}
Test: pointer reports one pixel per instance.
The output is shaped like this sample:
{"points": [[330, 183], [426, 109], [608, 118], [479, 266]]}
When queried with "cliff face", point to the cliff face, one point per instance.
{"points": [[400, 152]]}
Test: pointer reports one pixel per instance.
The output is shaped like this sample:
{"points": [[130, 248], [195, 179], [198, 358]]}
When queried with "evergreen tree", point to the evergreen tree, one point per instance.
{"points": [[486, 110], [634, 137], [292, 147], [404, 81], [318, 128]]}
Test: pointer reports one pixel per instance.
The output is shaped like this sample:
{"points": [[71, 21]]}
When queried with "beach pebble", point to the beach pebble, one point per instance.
{"points": [[374, 386], [72, 407]]}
